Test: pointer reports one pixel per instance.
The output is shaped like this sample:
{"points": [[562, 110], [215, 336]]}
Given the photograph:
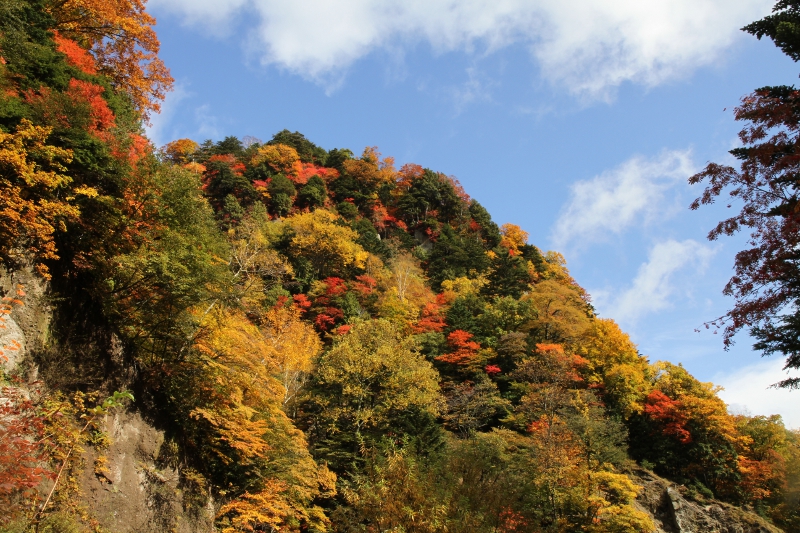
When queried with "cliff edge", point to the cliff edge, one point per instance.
{"points": [[673, 512]]}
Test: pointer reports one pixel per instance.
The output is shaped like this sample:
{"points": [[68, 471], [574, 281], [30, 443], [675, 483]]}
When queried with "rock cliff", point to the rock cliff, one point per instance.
{"points": [[673, 512]]}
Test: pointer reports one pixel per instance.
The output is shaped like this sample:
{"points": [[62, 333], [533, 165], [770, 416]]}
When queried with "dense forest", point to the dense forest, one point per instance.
{"points": [[331, 343]]}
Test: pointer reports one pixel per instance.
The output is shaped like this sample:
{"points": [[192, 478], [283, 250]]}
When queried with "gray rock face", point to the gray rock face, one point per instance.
{"points": [[673, 513], [26, 327], [130, 488], [12, 344], [127, 487]]}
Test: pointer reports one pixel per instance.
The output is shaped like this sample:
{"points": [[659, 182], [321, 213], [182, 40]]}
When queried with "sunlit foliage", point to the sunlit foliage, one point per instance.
{"points": [[333, 344]]}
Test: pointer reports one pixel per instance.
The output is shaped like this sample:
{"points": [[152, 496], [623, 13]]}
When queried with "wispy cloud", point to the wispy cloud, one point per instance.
{"points": [[589, 46], [631, 194], [166, 127], [206, 122], [747, 391], [477, 87], [160, 130], [654, 285]]}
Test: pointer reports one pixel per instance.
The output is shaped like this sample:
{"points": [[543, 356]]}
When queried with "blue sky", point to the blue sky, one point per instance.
{"points": [[578, 120]]}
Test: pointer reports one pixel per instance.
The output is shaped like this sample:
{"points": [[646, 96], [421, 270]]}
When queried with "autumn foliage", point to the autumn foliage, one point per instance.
{"points": [[119, 34], [23, 457], [670, 414], [464, 351], [765, 274], [35, 195], [76, 55], [336, 344]]}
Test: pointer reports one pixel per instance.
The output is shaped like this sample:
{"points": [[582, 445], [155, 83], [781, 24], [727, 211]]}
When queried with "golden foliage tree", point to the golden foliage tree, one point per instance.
{"points": [[35, 198], [615, 363], [296, 345], [611, 501], [238, 405], [371, 170], [181, 150], [403, 290], [513, 237], [372, 374], [328, 246], [257, 268], [562, 315], [278, 157]]}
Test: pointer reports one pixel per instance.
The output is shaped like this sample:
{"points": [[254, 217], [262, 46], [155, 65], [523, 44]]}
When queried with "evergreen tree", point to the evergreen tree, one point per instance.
{"points": [[308, 151]]}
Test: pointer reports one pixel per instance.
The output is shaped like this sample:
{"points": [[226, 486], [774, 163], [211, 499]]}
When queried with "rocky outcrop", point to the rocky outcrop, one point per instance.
{"points": [[27, 325], [130, 486], [12, 344], [672, 512]]}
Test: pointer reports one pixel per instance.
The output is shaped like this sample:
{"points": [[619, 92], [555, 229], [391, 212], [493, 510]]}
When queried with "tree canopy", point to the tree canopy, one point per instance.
{"points": [[337, 344]]}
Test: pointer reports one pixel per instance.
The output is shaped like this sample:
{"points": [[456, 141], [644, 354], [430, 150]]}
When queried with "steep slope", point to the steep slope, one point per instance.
{"points": [[672, 512], [275, 336]]}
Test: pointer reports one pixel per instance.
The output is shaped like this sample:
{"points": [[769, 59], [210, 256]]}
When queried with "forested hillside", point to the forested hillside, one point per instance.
{"points": [[328, 341]]}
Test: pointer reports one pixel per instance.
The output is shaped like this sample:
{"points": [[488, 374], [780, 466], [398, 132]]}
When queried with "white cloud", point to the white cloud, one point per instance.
{"points": [[588, 46], [653, 286], [165, 128], [159, 131], [213, 16], [617, 199], [206, 122], [747, 391], [474, 89]]}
